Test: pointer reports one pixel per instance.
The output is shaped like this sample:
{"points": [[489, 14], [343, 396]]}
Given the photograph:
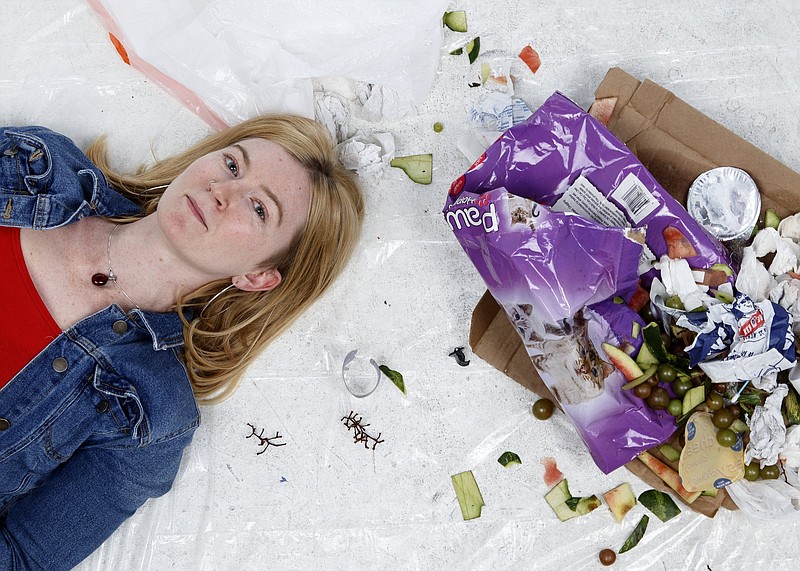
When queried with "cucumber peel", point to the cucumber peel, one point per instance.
{"points": [[669, 452], [791, 407], [652, 337], [468, 494], [692, 398], [723, 297], [566, 505], [645, 358], [651, 370], [456, 20], [419, 168], [473, 48], [509, 458], [636, 535]]}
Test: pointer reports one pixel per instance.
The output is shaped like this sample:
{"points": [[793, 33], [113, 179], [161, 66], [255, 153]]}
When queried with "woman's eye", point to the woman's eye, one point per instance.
{"points": [[230, 162], [260, 210]]}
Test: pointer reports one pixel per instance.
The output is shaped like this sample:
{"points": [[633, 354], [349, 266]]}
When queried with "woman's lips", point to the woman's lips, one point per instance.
{"points": [[196, 211]]}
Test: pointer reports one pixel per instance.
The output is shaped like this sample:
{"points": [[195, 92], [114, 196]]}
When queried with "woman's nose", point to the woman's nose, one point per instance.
{"points": [[218, 192]]}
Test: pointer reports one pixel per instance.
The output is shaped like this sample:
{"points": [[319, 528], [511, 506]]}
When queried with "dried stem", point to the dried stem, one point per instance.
{"points": [[353, 422], [266, 442]]}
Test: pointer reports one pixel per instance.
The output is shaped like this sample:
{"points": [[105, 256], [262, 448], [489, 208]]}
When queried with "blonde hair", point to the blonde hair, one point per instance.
{"points": [[237, 325]]}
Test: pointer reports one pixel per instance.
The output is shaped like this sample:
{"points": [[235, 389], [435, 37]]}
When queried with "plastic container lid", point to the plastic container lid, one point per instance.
{"points": [[726, 202]]}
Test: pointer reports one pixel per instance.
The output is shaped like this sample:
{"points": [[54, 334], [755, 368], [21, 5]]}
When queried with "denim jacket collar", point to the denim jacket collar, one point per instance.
{"points": [[165, 328]]}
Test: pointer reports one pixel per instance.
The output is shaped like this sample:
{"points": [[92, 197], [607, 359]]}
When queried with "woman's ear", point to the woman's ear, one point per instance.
{"points": [[263, 280]]}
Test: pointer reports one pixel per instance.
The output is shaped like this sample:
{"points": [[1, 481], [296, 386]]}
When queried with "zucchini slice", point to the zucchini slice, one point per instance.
{"points": [[419, 168]]}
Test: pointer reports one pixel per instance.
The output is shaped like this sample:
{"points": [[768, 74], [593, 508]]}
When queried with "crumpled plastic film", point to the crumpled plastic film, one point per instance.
{"points": [[323, 501], [231, 61]]}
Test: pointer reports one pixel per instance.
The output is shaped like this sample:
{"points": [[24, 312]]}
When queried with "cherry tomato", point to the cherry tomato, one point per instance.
{"points": [[674, 302], [658, 399], [666, 373], [752, 472], [607, 557], [726, 437], [722, 418], [675, 407], [543, 409], [771, 472], [681, 386], [715, 401], [646, 314], [642, 391]]}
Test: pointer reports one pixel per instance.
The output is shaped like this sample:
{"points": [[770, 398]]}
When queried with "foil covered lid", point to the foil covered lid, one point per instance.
{"points": [[726, 202]]}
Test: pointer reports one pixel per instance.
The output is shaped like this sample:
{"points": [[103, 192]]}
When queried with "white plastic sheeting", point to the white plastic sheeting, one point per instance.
{"points": [[233, 60], [322, 501]]}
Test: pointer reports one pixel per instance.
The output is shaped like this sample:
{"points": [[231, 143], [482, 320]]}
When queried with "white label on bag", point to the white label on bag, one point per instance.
{"points": [[635, 198], [583, 199]]}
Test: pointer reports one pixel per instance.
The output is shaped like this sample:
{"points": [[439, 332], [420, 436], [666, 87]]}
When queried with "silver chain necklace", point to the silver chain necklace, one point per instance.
{"points": [[100, 279]]}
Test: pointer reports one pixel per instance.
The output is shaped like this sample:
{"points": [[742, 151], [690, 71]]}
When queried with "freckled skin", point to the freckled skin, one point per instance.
{"points": [[233, 239]]}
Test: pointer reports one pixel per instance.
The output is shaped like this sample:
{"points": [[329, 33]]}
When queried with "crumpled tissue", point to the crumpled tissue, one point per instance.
{"points": [[769, 241], [753, 278], [773, 499], [383, 103], [767, 500], [366, 154], [767, 430], [331, 110]]}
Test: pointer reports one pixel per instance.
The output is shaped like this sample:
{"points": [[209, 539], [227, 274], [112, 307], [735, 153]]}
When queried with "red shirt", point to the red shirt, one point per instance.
{"points": [[26, 327]]}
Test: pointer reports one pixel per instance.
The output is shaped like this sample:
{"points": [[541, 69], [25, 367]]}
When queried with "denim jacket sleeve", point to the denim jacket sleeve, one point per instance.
{"points": [[63, 521], [46, 181]]}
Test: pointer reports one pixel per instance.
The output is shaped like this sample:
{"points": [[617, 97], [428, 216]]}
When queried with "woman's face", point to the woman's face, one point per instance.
{"points": [[232, 209]]}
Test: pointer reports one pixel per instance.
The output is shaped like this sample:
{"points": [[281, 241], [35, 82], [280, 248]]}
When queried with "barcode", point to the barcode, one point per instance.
{"points": [[637, 200]]}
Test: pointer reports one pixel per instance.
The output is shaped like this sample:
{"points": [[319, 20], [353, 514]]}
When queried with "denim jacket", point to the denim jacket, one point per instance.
{"points": [[97, 422]]}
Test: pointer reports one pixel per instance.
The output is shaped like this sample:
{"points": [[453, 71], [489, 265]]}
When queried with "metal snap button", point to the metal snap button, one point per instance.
{"points": [[101, 407], [4, 424], [120, 326], [60, 364]]}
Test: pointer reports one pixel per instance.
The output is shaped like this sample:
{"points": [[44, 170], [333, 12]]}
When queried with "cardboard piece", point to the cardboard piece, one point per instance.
{"points": [[676, 143]]}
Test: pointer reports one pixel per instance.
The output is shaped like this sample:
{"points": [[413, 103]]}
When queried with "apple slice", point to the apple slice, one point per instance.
{"points": [[622, 361]]}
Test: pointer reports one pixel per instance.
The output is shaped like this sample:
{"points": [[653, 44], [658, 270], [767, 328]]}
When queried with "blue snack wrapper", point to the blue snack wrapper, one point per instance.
{"points": [[758, 336]]}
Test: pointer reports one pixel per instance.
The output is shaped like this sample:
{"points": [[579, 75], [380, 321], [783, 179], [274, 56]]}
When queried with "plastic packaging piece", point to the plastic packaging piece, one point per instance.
{"points": [[556, 273], [361, 374], [231, 62], [545, 157]]}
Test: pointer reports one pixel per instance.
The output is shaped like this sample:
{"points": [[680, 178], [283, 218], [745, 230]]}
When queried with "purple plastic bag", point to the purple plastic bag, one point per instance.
{"points": [[555, 273]]}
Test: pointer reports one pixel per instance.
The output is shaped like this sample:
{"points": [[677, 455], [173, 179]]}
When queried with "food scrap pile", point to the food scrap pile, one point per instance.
{"points": [[666, 335]]}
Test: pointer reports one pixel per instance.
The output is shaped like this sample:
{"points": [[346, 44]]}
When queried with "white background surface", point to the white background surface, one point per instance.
{"points": [[322, 501]]}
